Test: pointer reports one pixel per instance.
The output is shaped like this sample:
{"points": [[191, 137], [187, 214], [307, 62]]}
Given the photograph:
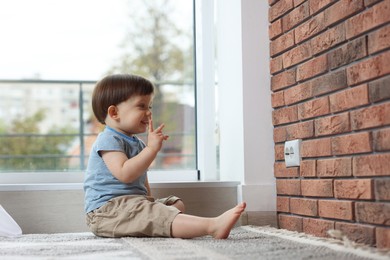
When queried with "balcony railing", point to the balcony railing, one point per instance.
{"points": [[48, 125]]}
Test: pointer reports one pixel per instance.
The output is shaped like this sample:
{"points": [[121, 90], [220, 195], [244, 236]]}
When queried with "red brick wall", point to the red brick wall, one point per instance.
{"points": [[330, 71]]}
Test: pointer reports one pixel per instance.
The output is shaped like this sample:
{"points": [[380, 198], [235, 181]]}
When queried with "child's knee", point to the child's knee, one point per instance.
{"points": [[179, 204]]}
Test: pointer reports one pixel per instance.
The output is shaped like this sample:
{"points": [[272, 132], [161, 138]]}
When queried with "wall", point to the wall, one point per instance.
{"points": [[245, 123], [331, 88], [59, 211]]}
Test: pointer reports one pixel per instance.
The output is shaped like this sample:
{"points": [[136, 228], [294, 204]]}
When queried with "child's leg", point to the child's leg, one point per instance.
{"points": [[188, 226]]}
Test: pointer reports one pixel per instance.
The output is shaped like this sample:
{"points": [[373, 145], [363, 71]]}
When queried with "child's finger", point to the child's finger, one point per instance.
{"points": [[160, 128], [150, 125]]}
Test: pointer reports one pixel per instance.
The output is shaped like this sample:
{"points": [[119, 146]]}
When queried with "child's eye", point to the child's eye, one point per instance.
{"points": [[142, 106], [150, 107]]}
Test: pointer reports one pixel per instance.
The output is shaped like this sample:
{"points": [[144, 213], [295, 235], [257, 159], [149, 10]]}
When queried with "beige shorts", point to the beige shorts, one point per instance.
{"points": [[134, 215]]}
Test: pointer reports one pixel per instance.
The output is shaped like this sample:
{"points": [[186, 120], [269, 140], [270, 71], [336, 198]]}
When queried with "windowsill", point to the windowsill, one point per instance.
{"points": [[194, 184], [39, 181], [79, 186], [40, 186], [78, 177]]}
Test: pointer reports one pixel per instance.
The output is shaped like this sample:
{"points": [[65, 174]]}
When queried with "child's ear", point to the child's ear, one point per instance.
{"points": [[112, 112]]}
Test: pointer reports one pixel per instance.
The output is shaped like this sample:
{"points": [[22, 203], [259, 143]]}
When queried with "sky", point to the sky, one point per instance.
{"points": [[61, 40]]}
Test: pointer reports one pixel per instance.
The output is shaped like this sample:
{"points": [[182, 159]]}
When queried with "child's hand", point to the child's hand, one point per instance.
{"points": [[155, 137]]}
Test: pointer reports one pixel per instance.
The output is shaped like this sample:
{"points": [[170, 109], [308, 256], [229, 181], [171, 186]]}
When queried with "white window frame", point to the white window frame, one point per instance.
{"points": [[205, 90]]}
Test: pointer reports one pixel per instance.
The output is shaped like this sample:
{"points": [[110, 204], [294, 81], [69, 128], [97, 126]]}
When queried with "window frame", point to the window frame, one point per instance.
{"points": [[205, 90]]}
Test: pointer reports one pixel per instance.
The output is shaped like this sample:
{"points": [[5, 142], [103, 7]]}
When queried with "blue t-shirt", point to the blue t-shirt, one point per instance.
{"points": [[99, 183]]}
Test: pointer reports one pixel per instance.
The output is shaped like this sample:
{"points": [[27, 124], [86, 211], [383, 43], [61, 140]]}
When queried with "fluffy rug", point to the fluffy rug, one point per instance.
{"points": [[246, 242]]}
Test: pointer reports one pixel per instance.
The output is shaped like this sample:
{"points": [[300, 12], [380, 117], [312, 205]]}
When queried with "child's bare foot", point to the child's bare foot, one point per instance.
{"points": [[225, 222]]}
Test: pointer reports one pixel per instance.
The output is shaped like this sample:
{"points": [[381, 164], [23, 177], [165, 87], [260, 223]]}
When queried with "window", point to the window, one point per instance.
{"points": [[52, 54]]}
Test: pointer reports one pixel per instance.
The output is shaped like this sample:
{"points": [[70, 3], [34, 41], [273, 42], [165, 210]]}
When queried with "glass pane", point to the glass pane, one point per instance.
{"points": [[39, 126], [177, 113], [53, 52]]}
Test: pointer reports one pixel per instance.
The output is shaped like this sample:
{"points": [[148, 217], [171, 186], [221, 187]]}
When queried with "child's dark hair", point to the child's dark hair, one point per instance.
{"points": [[114, 89]]}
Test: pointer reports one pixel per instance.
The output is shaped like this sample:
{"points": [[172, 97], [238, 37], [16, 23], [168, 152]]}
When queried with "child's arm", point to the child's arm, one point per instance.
{"points": [[128, 170], [148, 187]]}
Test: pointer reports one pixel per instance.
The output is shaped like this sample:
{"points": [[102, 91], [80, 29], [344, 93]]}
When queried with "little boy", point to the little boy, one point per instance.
{"points": [[118, 200]]}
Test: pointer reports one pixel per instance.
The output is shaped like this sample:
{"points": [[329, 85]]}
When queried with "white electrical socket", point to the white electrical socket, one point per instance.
{"points": [[292, 153]]}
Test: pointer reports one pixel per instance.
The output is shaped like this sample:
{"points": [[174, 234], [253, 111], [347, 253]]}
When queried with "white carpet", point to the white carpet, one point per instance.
{"points": [[247, 242]]}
